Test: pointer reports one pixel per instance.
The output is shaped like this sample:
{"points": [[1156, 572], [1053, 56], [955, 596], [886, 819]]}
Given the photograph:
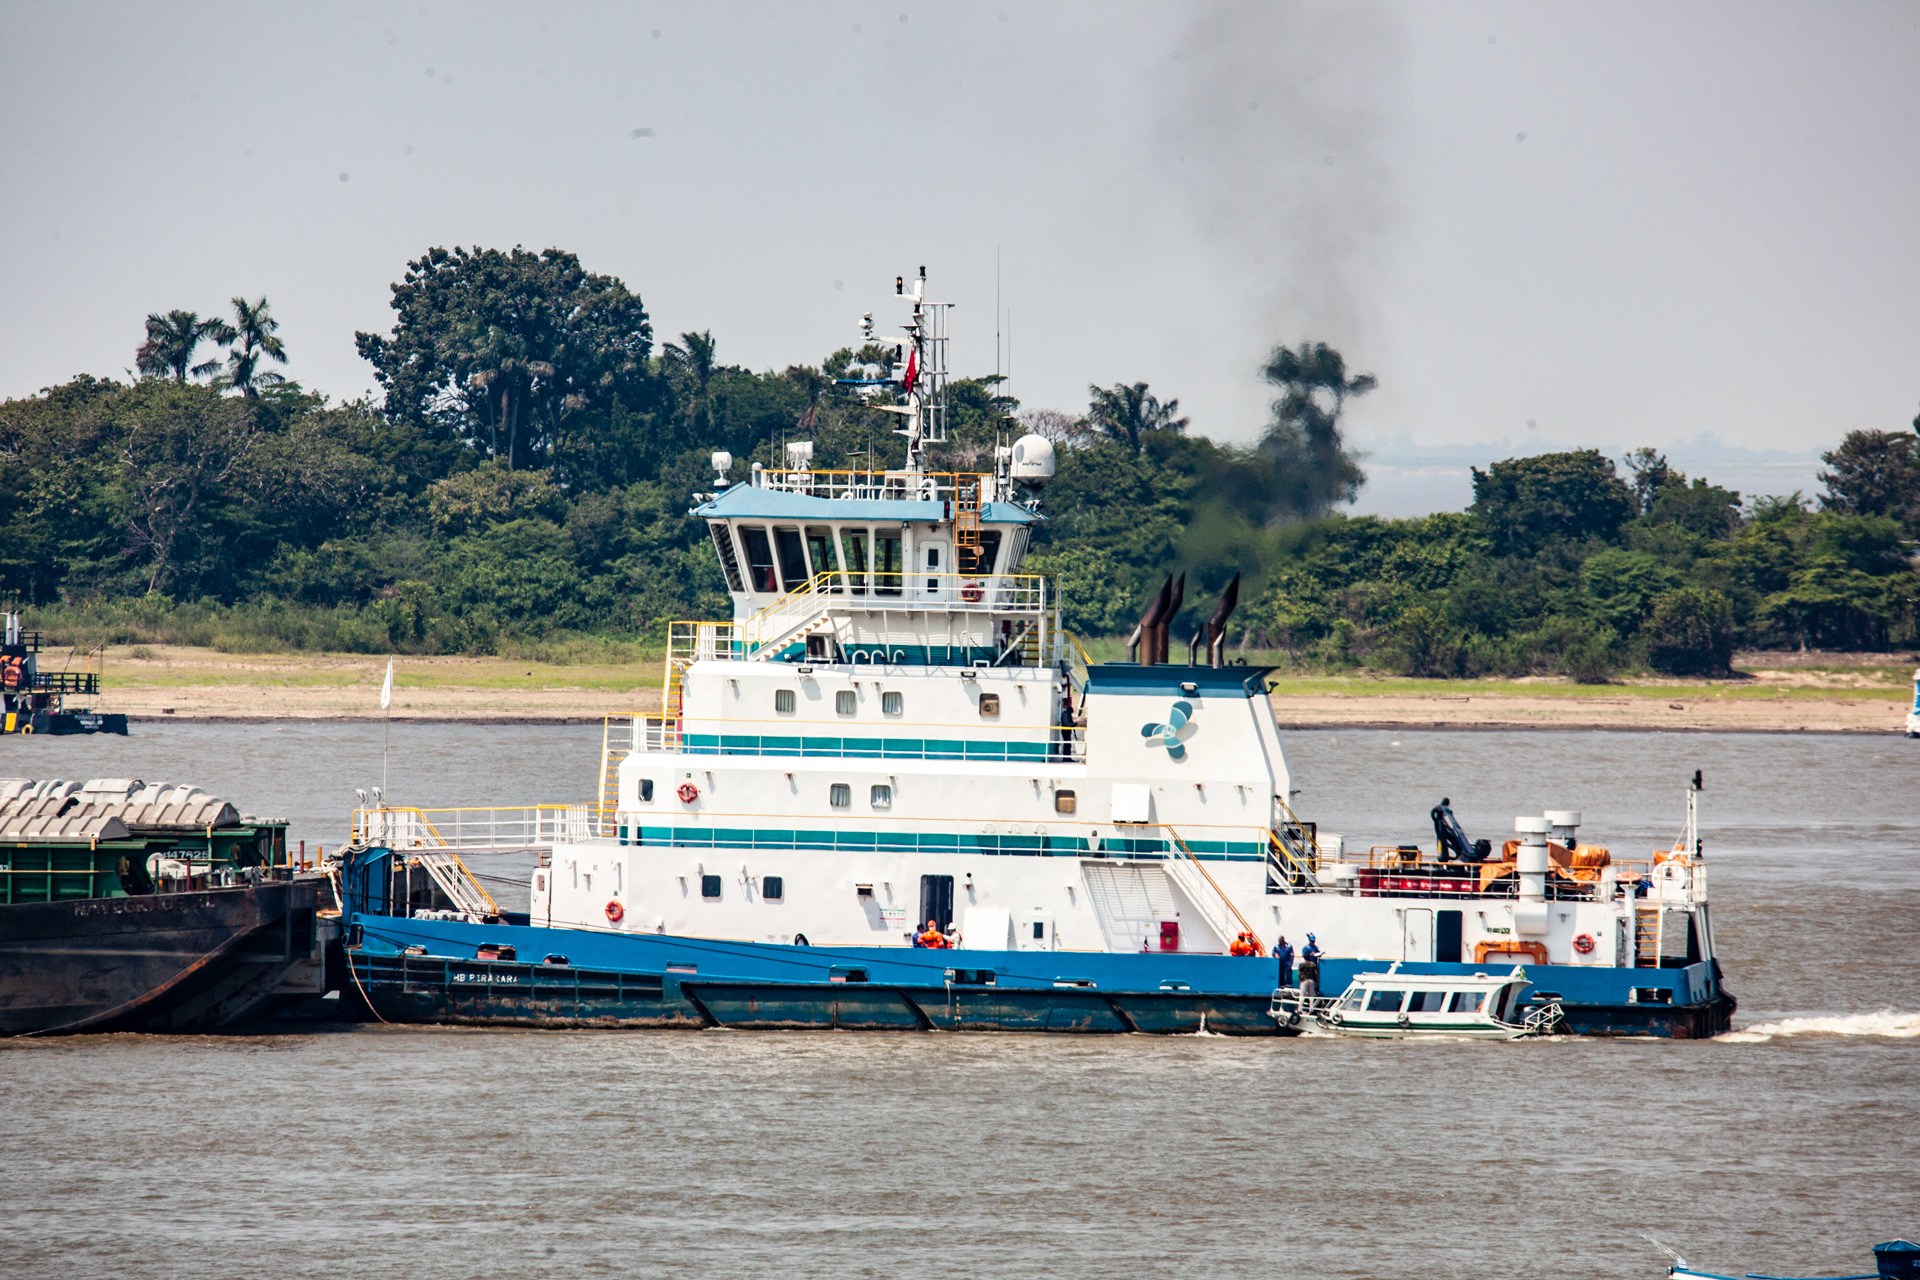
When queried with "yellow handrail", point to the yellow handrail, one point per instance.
{"points": [[1244, 922]]}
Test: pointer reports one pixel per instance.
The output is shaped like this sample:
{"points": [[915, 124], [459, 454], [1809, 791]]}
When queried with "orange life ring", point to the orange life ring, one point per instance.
{"points": [[14, 676], [688, 793], [615, 912], [972, 592], [1584, 944]]}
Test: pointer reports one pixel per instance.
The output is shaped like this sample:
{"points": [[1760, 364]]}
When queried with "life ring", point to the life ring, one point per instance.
{"points": [[615, 912], [972, 592], [688, 793], [1583, 943]]}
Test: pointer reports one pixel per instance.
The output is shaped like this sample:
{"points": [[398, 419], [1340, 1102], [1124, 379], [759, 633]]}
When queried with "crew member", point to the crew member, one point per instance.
{"points": [[1283, 953], [933, 938], [1309, 974]]}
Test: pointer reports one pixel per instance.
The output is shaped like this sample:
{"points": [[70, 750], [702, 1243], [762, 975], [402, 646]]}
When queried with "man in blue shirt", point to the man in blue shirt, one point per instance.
{"points": [[1283, 953]]}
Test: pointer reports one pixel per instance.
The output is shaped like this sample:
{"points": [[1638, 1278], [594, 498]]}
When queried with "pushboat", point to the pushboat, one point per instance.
{"points": [[1395, 1006], [891, 791], [1893, 1260]]}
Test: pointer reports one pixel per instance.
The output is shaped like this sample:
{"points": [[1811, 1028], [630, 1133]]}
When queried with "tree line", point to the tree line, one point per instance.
{"points": [[524, 476]]}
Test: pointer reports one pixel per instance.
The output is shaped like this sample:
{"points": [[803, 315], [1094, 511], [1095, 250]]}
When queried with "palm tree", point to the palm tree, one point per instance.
{"points": [[691, 363], [253, 330], [1126, 413], [171, 339]]}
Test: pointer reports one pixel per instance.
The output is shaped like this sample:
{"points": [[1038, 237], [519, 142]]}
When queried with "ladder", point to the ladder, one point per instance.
{"points": [[1647, 922], [966, 521], [1205, 893], [458, 883], [618, 740]]}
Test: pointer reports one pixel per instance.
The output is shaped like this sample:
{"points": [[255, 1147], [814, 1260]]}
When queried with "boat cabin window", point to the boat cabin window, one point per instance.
{"points": [[646, 791], [855, 543], [840, 795], [773, 888], [793, 561], [1064, 802], [978, 562], [820, 553], [1351, 1000], [932, 558], [1384, 1000], [887, 564], [881, 796], [709, 886], [892, 704], [723, 546], [759, 558], [846, 702], [783, 701], [1427, 1002], [1467, 1001], [989, 704]]}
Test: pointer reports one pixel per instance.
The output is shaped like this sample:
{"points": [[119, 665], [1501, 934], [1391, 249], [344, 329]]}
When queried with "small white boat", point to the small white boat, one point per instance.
{"points": [[1394, 1005]]}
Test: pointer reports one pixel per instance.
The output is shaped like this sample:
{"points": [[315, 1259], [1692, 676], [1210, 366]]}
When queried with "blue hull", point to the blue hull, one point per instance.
{"points": [[654, 980]]}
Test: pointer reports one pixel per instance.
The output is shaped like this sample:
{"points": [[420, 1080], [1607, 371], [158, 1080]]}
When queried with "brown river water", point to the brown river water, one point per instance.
{"points": [[1789, 1146]]}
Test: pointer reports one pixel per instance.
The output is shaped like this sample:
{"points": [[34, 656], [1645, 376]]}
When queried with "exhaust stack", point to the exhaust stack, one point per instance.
{"points": [[1217, 624], [1140, 643], [1163, 644]]}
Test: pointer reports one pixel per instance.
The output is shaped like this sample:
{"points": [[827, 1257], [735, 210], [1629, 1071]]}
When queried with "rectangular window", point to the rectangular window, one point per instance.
{"points": [[840, 795], [887, 564], [709, 887], [855, 542], [773, 888], [881, 796], [759, 558], [783, 702], [646, 791], [936, 902], [1039, 928], [989, 704], [892, 704], [820, 555], [723, 546], [1427, 1002], [846, 702], [1064, 802], [978, 562], [1384, 1001], [793, 561], [1467, 1001], [932, 558]]}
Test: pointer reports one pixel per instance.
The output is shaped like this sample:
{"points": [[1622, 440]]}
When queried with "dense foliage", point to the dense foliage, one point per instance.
{"points": [[529, 471]]}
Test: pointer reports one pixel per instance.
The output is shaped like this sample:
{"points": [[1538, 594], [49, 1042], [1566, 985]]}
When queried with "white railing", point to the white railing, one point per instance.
{"points": [[470, 830], [883, 486]]}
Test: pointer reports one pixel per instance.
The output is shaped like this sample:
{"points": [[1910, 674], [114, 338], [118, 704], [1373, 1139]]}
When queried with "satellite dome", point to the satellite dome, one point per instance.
{"points": [[1033, 460]]}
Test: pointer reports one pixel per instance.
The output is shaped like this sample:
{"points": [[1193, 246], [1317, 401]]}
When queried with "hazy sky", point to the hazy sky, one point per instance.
{"points": [[1625, 223]]}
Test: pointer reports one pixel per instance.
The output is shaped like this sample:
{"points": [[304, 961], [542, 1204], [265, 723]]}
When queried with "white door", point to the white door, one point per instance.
{"points": [[1417, 944], [933, 573]]}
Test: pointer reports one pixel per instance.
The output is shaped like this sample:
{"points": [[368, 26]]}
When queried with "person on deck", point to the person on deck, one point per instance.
{"points": [[1309, 976], [933, 938], [1283, 953]]}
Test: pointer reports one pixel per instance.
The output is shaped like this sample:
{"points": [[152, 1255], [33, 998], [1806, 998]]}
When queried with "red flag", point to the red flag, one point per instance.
{"points": [[913, 368]]}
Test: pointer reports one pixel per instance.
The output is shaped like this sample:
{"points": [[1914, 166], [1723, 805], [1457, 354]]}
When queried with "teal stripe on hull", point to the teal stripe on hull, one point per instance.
{"points": [[760, 838]]}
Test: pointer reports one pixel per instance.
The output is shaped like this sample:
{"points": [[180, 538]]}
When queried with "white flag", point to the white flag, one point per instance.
{"points": [[386, 690]]}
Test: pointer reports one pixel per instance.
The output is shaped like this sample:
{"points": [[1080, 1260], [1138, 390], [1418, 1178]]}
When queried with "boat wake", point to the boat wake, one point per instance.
{"points": [[1886, 1023]]}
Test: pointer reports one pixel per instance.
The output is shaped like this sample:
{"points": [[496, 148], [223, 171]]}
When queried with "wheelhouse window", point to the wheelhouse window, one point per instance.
{"points": [[978, 562], [759, 558], [793, 561], [840, 795], [880, 796], [855, 543], [846, 702], [887, 565], [820, 555], [773, 888], [723, 547], [646, 791], [892, 703], [783, 701]]}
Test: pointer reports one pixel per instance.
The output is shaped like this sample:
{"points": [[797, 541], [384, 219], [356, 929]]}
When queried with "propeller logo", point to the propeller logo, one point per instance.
{"points": [[1169, 733]]}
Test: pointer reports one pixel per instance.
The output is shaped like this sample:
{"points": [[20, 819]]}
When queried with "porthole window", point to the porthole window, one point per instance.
{"points": [[846, 702], [989, 704], [710, 886], [840, 795], [773, 888], [783, 701], [892, 704], [1064, 802], [881, 797], [646, 791]]}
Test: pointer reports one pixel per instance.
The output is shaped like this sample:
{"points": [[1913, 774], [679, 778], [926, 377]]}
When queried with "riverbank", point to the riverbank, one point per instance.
{"points": [[1830, 693]]}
